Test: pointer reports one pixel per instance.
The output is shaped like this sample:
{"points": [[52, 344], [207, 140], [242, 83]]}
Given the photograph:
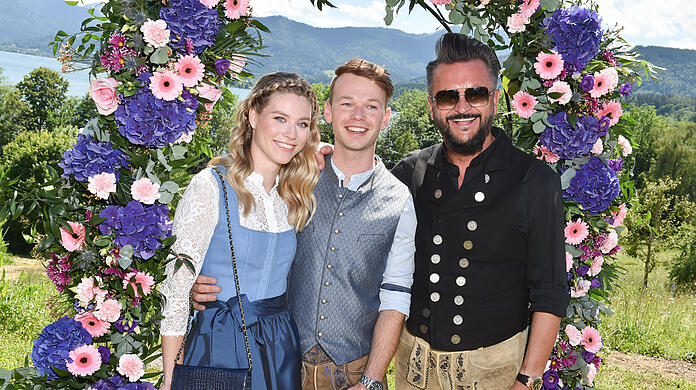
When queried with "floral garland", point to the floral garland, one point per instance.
{"points": [[166, 65], [566, 75]]}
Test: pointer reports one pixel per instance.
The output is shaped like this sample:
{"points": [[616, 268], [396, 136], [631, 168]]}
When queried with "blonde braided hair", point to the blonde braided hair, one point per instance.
{"points": [[298, 177]]}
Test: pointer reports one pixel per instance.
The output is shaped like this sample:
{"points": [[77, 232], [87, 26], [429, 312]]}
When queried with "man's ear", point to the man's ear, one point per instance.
{"points": [[327, 111], [385, 118], [430, 108]]}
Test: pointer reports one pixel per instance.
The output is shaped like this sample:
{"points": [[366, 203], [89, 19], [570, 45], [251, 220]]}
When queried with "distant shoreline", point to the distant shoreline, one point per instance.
{"points": [[21, 50]]}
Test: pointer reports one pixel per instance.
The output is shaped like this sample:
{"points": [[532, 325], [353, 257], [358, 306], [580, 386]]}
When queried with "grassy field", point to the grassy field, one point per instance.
{"points": [[652, 322]]}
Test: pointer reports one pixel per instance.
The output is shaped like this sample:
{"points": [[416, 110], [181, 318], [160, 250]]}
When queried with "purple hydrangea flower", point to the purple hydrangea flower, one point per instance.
{"points": [[576, 33], [113, 383], [222, 65], [105, 353], [595, 283], [142, 227], [582, 270], [625, 89], [615, 163], [550, 379], [124, 326], [191, 20], [594, 187], [89, 157], [151, 122], [587, 83], [138, 386], [568, 142], [54, 343]]}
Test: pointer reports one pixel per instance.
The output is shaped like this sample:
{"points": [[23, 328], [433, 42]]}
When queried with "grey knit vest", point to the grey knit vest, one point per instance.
{"points": [[334, 282]]}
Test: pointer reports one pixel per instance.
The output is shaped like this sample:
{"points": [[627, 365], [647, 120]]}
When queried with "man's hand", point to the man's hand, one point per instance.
{"points": [[322, 150], [204, 290]]}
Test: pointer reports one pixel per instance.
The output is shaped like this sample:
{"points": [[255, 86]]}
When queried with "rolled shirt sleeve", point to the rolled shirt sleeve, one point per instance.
{"points": [[395, 290], [547, 280]]}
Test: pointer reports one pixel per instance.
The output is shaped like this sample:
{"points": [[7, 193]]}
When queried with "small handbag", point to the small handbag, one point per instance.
{"points": [[187, 377]]}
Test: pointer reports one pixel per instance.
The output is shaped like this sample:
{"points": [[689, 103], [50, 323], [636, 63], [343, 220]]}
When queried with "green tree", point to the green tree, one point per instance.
{"points": [[675, 157], [647, 126], [44, 90], [323, 91], [683, 272], [656, 217], [14, 114], [74, 111], [218, 127]]}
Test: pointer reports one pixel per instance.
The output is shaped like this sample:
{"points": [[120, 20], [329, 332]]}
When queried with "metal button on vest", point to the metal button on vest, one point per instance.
{"points": [[437, 239], [438, 193], [435, 258], [426, 312], [333, 248], [434, 278], [337, 231], [459, 300], [435, 296], [463, 262], [468, 245], [340, 214], [322, 317], [326, 283], [460, 281], [479, 196], [320, 334], [340, 196], [472, 225], [457, 319], [329, 266], [486, 178], [424, 328], [455, 339], [323, 301]]}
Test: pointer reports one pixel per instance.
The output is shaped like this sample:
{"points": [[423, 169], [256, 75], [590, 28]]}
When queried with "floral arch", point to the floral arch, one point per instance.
{"points": [[158, 68]]}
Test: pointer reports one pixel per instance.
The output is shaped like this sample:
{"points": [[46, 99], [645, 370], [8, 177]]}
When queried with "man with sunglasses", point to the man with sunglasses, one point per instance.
{"points": [[489, 240]]}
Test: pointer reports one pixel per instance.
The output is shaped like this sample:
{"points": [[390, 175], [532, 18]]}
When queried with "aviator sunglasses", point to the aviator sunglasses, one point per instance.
{"points": [[447, 99]]}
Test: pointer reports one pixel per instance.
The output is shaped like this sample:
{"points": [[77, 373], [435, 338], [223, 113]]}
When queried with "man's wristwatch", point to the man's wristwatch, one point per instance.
{"points": [[532, 382], [371, 384]]}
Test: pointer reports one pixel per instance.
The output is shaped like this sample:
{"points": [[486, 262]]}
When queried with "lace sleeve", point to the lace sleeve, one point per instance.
{"points": [[194, 223]]}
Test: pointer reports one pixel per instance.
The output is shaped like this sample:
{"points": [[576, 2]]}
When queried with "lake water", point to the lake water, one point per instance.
{"points": [[15, 66]]}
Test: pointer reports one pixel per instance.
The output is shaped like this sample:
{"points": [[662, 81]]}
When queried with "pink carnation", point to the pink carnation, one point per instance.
{"points": [[155, 32], [85, 290], [142, 279], [610, 242], [591, 373], [145, 191], [190, 69], [598, 147], [207, 91], [548, 65], [591, 339], [611, 110], [574, 335], [72, 240], [102, 184], [210, 3], [166, 85], [544, 154], [619, 215], [234, 9], [596, 266], [604, 82], [564, 89], [84, 360], [569, 261], [103, 91], [109, 310], [131, 366], [517, 22], [626, 147], [524, 103], [186, 137], [529, 7], [580, 289], [92, 324], [575, 232]]}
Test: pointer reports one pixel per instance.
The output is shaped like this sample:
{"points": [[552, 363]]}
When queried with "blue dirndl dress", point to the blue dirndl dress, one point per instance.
{"points": [[216, 338]]}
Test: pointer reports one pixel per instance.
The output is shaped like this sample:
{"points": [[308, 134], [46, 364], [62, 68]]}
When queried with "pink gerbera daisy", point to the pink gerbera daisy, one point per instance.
{"points": [[524, 103], [142, 279], [611, 110], [190, 70], [72, 240], [591, 339], [575, 232], [544, 154], [441, 2], [86, 360], [166, 85], [529, 7], [604, 82], [234, 9], [92, 324], [548, 65], [564, 89]]}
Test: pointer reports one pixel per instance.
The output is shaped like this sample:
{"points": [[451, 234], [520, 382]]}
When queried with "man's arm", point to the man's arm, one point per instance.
{"points": [[542, 337]]}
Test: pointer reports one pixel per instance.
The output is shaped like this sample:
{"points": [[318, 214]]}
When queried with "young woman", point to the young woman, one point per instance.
{"points": [[269, 175]]}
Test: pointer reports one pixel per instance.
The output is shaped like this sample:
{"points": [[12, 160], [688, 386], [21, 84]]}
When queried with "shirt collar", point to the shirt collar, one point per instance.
{"points": [[357, 179], [256, 179]]}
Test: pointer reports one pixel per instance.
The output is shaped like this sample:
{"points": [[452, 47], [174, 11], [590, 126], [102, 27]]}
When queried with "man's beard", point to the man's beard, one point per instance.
{"points": [[471, 146]]}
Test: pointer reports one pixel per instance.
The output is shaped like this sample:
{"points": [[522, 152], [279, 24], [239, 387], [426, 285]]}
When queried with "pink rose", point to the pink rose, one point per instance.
{"points": [[207, 91], [145, 191], [103, 91]]}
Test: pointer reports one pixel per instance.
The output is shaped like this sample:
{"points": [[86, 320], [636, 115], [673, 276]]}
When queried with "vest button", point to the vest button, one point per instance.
{"points": [[340, 213], [340, 196], [333, 248], [435, 258], [461, 281], [437, 239], [337, 231], [323, 301], [464, 262], [424, 328], [329, 266], [320, 334], [479, 196], [455, 339], [426, 312], [322, 317], [457, 319], [327, 284], [468, 245], [458, 300], [435, 296], [438, 193], [486, 178], [434, 278], [472, 225]]}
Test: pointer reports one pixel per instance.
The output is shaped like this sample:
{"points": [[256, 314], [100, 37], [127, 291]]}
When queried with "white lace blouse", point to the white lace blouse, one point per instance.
{"points": [[194, 223]]}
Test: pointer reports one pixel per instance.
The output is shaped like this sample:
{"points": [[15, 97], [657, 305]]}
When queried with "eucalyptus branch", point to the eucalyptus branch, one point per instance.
{"points": [[436, 13]]}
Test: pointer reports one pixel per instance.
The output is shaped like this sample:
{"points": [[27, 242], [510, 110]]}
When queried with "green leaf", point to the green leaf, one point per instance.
{"points": [[126, 251], [178, 152], [70, 2], [538, 127], [392, 3], [103, 241], [163, 160], [574, 251], [389, 17], [513, 66], [456, 17], [555, 95], [125, 262], [167, 191], [537, 116], [566, 177], [160, 55]]}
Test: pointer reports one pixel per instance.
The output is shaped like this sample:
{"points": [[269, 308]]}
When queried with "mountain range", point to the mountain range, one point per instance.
{"points": [[314, 52]]}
